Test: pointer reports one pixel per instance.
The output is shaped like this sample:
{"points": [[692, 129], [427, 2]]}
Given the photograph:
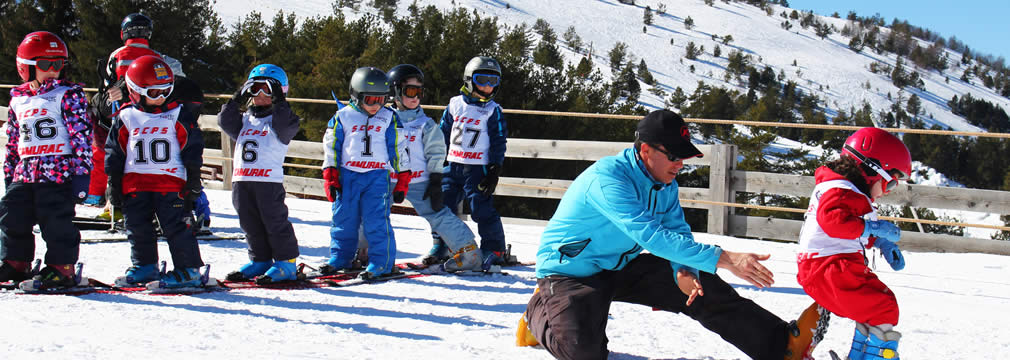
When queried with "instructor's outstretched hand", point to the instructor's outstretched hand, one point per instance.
{"points": [[689, 285], [747, 266]]}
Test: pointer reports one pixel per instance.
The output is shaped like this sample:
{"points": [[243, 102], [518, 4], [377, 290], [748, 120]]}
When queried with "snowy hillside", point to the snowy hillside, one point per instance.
{"points": [[602, 23], [950, 306]]}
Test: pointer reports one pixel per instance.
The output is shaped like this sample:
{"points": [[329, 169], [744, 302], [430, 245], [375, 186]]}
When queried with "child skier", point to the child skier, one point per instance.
{"points": [[361, 145], [840, 223], [475, 132], [426, 151], [153, 158], [48, 154], [261, 136]]}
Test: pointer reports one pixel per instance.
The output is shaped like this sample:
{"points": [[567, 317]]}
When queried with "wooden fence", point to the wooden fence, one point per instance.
{"points": [[719, 199]]}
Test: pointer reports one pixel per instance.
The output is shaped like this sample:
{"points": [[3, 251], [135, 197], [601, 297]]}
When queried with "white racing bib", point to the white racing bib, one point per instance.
{"points": [[469, 142], [412, 134], [153, 146], [814, 242], [40, 123], [364, 147], [259, 154]]}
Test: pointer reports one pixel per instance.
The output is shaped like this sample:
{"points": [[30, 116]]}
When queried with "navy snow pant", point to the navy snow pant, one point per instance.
{"points": [[364, 200], [263, 217], [462, 180], [569, 315], [52, 207], [139, 210]]}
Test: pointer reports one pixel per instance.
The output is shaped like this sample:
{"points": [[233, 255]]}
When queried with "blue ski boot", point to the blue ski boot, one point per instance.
{"points": [[439, 252], [493, 261], [138, 274], [178, 278], [249, 271], [284, 270], [881, 345], [94, 200]]}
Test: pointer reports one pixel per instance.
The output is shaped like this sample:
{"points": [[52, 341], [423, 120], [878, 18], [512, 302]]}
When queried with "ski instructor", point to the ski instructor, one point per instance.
{"points": [[591, 254]]}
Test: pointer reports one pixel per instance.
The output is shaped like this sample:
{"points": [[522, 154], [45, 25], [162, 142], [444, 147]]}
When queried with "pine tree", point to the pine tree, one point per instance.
{"points": [[645, 74], [617, 55], [573, 39], [691, 52], [647, 16], [689, 23]]}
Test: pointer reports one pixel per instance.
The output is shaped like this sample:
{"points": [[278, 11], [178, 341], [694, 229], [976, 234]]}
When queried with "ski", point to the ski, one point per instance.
{"points": [[103, 236]]}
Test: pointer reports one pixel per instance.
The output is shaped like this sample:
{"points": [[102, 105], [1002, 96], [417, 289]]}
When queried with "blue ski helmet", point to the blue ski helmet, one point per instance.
{"points": [[270, 71]]}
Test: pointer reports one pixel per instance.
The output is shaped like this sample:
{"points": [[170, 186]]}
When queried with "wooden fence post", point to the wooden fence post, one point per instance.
{"points": [[723, 162], [227, 149]]}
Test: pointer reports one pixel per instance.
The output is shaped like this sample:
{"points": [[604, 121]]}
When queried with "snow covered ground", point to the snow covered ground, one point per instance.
{"points": [[951, 306]]}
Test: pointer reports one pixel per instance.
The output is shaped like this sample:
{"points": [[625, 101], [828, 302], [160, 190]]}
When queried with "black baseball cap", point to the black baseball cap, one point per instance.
{"points": [[667, 128]]}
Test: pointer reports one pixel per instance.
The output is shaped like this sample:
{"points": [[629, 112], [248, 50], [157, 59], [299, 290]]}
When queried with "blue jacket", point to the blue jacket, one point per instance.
{"points": [[612, 212]]}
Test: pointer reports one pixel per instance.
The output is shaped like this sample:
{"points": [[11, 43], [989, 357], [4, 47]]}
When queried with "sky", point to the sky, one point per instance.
{"points": [[979, 23]]}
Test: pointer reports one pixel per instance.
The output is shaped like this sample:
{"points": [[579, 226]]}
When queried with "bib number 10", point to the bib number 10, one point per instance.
{"points": [[159, 151]]}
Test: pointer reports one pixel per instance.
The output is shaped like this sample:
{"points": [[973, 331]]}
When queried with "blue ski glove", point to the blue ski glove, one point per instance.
{"points": [[882, 229], [891, 253]]}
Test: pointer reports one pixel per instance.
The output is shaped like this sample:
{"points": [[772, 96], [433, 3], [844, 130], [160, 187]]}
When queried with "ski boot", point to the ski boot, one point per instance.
{"points": [[878, 344], [524, 336], [377, 274], [51, 277], [284, 270], [466, 259], [117, 214], [330, 268], [249, 271], [138, 274], [438, 254], [806, 332], [178, 278], [360, 259], [14, 271], [492, 261]]}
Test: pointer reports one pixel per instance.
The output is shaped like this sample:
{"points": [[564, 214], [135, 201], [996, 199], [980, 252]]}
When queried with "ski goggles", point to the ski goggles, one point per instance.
{"points": [[45, 64], [486, 79], [153, 92], [412, 91], [890, 177], [373, 99], [260, 87]]}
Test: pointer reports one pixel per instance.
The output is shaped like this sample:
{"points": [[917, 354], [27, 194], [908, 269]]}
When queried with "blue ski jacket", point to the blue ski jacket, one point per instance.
{"points": [[611, 213]]}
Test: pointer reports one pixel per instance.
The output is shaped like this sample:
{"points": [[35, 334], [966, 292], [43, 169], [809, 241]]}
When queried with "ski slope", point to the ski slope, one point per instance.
{"points": [[953, 307]]}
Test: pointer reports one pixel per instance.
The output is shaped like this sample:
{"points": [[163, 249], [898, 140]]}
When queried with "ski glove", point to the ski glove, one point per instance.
{"points": [[276, 91], [331, 182], [191, 190], [490, 181], [114, 192], [891, 253], [882, 229], [241, 95], [80, 185], [434, 191], [402, 184]]}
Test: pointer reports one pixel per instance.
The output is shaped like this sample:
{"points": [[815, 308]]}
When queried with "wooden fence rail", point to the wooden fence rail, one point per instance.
{"points": [[724, 182]]}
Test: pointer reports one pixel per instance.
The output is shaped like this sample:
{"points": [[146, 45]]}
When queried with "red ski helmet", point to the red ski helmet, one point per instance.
{"points": [[40, 45], [150, 76], [881, 154]]}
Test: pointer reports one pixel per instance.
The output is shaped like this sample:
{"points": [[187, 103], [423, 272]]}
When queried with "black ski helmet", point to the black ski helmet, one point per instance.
{"points": [[480, 65], [136, 25], [399, 75], [368, 81]]}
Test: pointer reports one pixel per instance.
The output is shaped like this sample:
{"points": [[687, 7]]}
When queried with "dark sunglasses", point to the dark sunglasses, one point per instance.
{"points": [[374, 99], [486, 79], [890, 177], [669, 156], [412, 91]]}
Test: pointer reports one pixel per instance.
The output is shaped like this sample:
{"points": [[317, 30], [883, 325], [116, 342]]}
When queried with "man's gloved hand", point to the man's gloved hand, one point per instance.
{"points": [[490, 181], [402, 185], [891, 253], [191, 190], [114, 192], [80, 183], [276, 91], [331, 183], [241, 95], [882, 229], [434, 191]]}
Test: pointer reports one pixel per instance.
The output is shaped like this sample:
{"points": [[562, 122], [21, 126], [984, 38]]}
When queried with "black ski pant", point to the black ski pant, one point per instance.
{"points": [[263, 217], [139, 209], [52, 207], [569, 315]]}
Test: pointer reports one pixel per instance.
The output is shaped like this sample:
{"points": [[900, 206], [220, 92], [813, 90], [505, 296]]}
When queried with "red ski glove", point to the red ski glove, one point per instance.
{"points": [[331, 183], [402, 184]]}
